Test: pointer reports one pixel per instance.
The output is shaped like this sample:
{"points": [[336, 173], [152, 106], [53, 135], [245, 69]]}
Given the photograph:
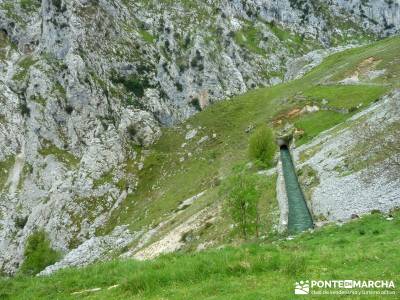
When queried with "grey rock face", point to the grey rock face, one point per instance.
{"points": [[94, 249], [139, 126], [83, 81]]}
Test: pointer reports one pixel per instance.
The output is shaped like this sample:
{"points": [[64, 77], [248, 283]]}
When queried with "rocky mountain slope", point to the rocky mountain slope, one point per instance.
{"points": [[355, 165], [86, 85]]}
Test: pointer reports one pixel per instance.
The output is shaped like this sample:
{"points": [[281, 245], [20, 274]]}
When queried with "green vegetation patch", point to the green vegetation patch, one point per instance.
{"points": [[262, 147], [59, 89], [104, 179], [296, 43], [342, 102], [5, 167], [347, 62], [363, 249], [61, 155], [38, 254], [5, 45], [132, 83], [313, 124], [8, 6], [24, 66], [39, 100], [4, 40], [346, 96], [147, 36], [30, 5], [250, 38]]}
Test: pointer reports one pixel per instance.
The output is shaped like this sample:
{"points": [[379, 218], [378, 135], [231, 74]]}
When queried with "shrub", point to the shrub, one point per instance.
{"points": [[38, 254], [20, 222], [179, 86], [57, 4], [242, 195], [186, 42], [132, 83], [69, 109], [24, 109], [196, 61], [136, 86], [196, 103], [262, 147], [182, 67], [132, 131]]}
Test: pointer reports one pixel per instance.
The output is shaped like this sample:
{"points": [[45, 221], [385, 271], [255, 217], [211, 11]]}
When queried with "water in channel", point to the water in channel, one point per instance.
{"points": [[299, 217]]}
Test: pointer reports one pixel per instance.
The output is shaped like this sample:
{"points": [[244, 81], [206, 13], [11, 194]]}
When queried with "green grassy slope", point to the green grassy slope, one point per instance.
{"points": [[364, 249], [165, 181]]}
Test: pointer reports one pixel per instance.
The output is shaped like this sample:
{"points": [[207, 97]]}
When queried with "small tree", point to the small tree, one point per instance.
{"points": [[38, 254], [242, 195], [262, 147]]}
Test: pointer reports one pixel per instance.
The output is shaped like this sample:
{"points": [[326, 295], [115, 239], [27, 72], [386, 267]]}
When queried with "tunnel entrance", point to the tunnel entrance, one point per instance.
{"points": [[284, 147]]}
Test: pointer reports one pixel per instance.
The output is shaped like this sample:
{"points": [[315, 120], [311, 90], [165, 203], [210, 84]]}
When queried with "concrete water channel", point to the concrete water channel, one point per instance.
{"points": [[299, 216]]}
